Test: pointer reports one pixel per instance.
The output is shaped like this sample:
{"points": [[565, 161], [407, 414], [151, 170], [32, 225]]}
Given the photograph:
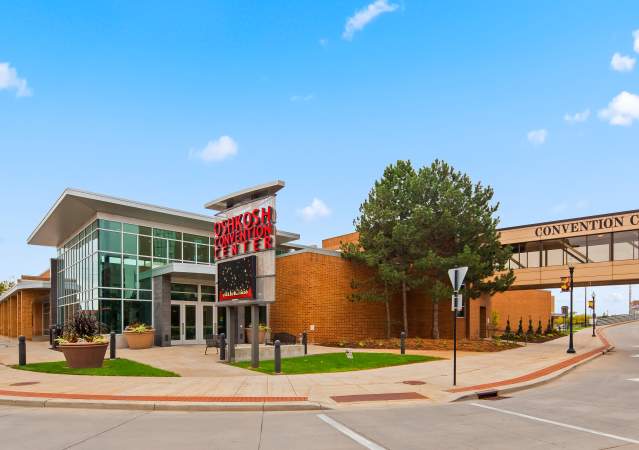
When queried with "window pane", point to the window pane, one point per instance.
{"points": [[175, 250], [144, 276], [111, 293], [145, 295], [533, 251], [626, 245], [189, 252], [130, 273], [137, 229], [130, 294], [599, 247], [207, 320], [159, 248], [196, 238], [158, 232], [130, 243], [111, 315], [144, 245], [137, 312], [110, 241], [553, 252], [202, 253], [110, 225], [110, 270], [575, 248]]}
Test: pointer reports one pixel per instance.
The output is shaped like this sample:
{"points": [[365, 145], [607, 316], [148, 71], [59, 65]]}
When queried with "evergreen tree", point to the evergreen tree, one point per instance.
{"points": [[520, 328], [540, 329], [549, 329], [531, 330]]}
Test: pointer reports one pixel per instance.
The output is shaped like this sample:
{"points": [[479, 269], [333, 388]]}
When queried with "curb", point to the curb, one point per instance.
{"points": [[160, 406], [514, 387]]}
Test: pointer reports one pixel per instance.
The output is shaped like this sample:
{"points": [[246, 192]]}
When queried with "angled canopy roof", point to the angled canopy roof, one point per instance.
{"points": [[252, 193], [74, 208]]}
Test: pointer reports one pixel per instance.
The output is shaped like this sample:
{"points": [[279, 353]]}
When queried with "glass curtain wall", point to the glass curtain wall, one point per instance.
{"points": [[106, 269], [619, 246]]}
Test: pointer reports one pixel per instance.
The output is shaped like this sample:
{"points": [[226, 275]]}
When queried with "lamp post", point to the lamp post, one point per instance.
{"points": [[571, 348], [594, 316]]}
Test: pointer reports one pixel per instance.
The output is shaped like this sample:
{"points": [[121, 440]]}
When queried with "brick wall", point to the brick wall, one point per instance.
{"points": [[312, 289], [334, 243]]}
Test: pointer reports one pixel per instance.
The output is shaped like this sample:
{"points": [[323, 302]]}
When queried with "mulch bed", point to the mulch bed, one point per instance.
{"points": [[428, 344], [537, 339]]}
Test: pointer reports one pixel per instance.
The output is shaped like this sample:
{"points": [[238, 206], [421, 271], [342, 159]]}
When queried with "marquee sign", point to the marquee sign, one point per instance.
{"points": [[248, 232], [236, 279], [602, 224]]}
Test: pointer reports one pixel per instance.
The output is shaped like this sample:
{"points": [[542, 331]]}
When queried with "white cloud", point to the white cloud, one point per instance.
{"points": [[577, 117], [622, 63], [316, 210], [218, 150], [302, 98], [362, 17], [323, 42], [9, 79], [538, 137], [635, 35], [622, 110]]}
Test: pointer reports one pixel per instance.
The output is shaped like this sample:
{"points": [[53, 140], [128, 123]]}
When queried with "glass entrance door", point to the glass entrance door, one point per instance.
{"points": [[183, 323]]}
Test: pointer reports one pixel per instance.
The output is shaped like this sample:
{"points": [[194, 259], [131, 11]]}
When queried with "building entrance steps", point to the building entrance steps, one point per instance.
{"points": [[203, 377]]}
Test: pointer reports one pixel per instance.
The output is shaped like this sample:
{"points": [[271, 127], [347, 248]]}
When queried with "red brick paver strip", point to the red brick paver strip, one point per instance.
{"points": [[152, 398], [378, 397], [541, 372]]}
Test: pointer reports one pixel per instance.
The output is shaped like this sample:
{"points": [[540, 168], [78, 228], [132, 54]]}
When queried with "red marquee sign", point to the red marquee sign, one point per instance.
{"points": [[251, 231]]}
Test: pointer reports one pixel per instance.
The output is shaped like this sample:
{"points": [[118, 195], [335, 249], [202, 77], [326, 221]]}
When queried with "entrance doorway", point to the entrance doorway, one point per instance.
{"points": [[183, 323]]}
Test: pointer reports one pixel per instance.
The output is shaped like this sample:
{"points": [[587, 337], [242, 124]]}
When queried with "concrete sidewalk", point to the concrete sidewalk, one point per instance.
{"points": [[424, 382]]}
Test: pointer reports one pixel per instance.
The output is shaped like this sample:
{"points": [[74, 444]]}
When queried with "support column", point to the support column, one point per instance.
{"points": [[255, 336], [232, 329], [162, 310], [53, 293]]}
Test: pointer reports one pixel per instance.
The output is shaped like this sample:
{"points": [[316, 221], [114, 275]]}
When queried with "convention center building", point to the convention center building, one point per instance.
{"points": [[131, 262]]}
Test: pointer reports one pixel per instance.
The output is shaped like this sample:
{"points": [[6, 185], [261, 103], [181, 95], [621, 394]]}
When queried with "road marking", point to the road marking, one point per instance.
{"points": [[350, 433], [633, 379], [559, 424]]}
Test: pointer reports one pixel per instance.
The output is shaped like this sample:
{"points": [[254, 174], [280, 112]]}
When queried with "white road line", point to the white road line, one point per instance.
{"points": [[633, 379], [350, 433], [559, 424], [635, 356]]}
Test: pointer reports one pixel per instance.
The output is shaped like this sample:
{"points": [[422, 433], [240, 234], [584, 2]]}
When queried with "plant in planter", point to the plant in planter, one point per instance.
{"points": [[139, 336], [263, 329], [81, 343]]}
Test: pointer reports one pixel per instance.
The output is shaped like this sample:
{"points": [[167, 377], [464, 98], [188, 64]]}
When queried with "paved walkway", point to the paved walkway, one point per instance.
{"points": [[205, 379]]}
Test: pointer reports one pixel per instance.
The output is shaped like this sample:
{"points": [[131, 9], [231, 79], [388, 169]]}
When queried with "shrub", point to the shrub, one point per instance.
{"points": [[83, 327], [138, 328], [549, 329], [520, 328], [540, 329], [531, 330]]}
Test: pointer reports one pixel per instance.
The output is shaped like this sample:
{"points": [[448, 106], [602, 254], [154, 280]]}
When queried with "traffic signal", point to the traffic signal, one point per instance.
{"points": [[565, 284]]}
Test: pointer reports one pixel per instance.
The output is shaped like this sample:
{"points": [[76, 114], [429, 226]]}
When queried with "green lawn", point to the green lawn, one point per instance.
{"points": [[111, 368], [337, 362]]}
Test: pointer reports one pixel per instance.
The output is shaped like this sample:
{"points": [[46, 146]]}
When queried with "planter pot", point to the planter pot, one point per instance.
{"points": [[84, 355], [249, 335], [138, 341]]}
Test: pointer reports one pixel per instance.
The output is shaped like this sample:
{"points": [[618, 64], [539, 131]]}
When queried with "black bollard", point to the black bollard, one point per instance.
{"points": [[22, 351], [51, 335], [402, 343], [278, 357], [112, 345], [305, 342], [222, 344]]}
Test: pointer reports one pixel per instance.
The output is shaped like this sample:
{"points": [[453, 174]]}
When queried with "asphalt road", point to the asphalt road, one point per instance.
{"points": [[595, 406]]}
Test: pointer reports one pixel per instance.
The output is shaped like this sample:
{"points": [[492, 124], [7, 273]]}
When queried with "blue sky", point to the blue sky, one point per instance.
{"points": [[175, 104]]}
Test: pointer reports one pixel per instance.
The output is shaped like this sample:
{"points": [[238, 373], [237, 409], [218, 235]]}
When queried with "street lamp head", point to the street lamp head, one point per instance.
{"points": [[593, 295]]}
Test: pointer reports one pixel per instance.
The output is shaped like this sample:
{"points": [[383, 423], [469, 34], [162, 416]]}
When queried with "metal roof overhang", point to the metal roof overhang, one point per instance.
{"points": [[186, 269], [22, 285], [75, 208], [252, 193]]}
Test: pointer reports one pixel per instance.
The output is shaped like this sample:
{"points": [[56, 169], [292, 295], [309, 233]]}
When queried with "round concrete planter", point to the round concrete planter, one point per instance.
{"points": [[138, 341], [84, 355]]}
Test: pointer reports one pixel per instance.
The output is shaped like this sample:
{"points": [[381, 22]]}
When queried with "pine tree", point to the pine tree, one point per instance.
{"points": [[520, 328], [531, 330], [540, 329]]}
